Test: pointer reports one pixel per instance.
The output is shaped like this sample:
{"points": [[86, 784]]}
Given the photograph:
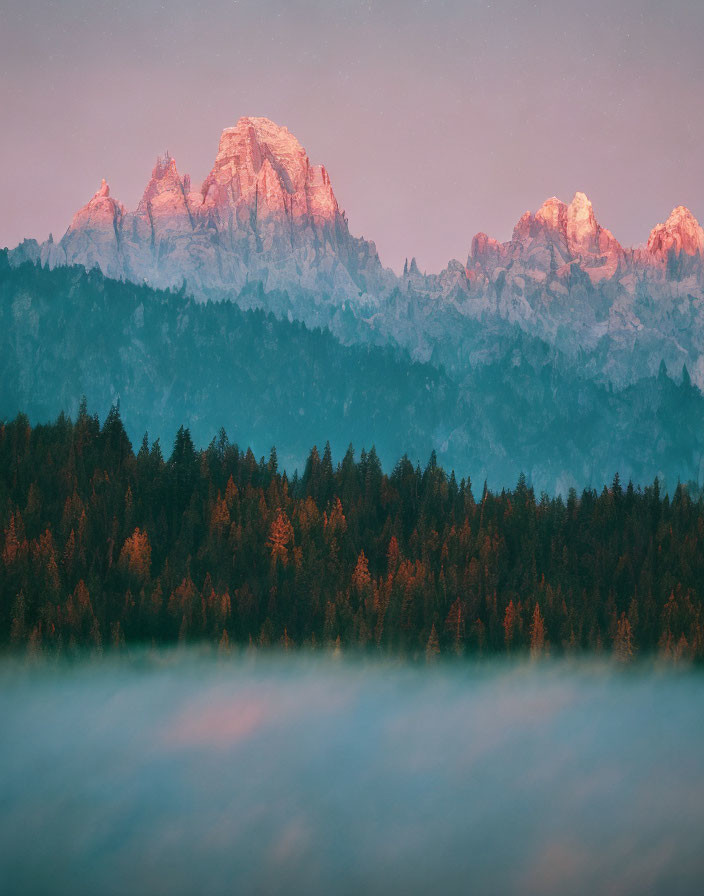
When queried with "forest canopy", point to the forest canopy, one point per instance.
{"points": [[103, 545]]}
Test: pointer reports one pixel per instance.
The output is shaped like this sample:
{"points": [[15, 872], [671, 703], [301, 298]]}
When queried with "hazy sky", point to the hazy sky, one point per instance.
{"points": [[435, 119]]}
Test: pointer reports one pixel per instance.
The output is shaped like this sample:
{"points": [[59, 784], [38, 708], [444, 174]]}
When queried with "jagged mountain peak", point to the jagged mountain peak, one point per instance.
{"points": [[546, 244], [262, 169], [581, 224], [165, 167], [247, 147], [581, 212], [681, 233], [522, 228], [551, 213], [165, 179], [103, 190], [575, 220], [91, 237], [263, 130], [585, 236], [101, 204], [264, 213], [580, 199], [680, 214]]}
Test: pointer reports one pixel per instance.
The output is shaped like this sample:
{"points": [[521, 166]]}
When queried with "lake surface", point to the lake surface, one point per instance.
{"points": [[181, 774]]}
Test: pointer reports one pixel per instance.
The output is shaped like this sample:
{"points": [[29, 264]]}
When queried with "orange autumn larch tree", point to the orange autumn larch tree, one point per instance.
{"points": [[136, 555], [280, 537]]}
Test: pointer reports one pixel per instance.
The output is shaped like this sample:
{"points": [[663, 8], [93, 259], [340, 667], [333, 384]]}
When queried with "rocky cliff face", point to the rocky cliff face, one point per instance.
{"points": [[566, 279], [680, 240], [95, 234], [263, 213]]}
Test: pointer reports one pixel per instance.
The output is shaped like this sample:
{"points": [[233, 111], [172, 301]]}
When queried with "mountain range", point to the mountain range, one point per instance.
{"points": [[559, 353], [266, 215]]}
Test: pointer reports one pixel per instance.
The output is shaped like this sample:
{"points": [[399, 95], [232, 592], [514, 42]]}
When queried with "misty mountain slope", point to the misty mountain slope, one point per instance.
{"points": [[171, 360]]}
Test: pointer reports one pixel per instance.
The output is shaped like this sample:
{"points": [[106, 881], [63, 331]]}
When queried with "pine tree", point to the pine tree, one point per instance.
{"points": [[136, 555], [432, 648], [510, 622], [360, 577], [18, 626], [280, 536], [117, 636], [623, 642], [537, 633], [455, 627], [224, 643], [15, 543]]}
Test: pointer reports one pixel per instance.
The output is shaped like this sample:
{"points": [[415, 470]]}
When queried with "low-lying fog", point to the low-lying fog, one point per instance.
{"points": [[183, 774]]}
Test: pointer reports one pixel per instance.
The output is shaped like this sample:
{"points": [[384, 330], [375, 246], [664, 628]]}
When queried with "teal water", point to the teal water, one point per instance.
{"points": [[183, 774]]}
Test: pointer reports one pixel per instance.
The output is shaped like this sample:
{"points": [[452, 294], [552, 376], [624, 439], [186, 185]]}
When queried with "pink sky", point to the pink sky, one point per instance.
{"points": [[435, 119]]}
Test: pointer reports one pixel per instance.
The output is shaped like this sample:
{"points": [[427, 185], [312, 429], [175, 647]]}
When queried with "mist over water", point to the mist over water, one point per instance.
{"points": [[179, 773]]}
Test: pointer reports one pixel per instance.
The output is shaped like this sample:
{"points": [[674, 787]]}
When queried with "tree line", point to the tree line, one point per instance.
{"points": [[104, 546]]}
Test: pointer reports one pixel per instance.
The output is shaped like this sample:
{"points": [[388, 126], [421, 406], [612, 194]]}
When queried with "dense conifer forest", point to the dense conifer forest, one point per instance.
{"points": [[102, 545]]}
